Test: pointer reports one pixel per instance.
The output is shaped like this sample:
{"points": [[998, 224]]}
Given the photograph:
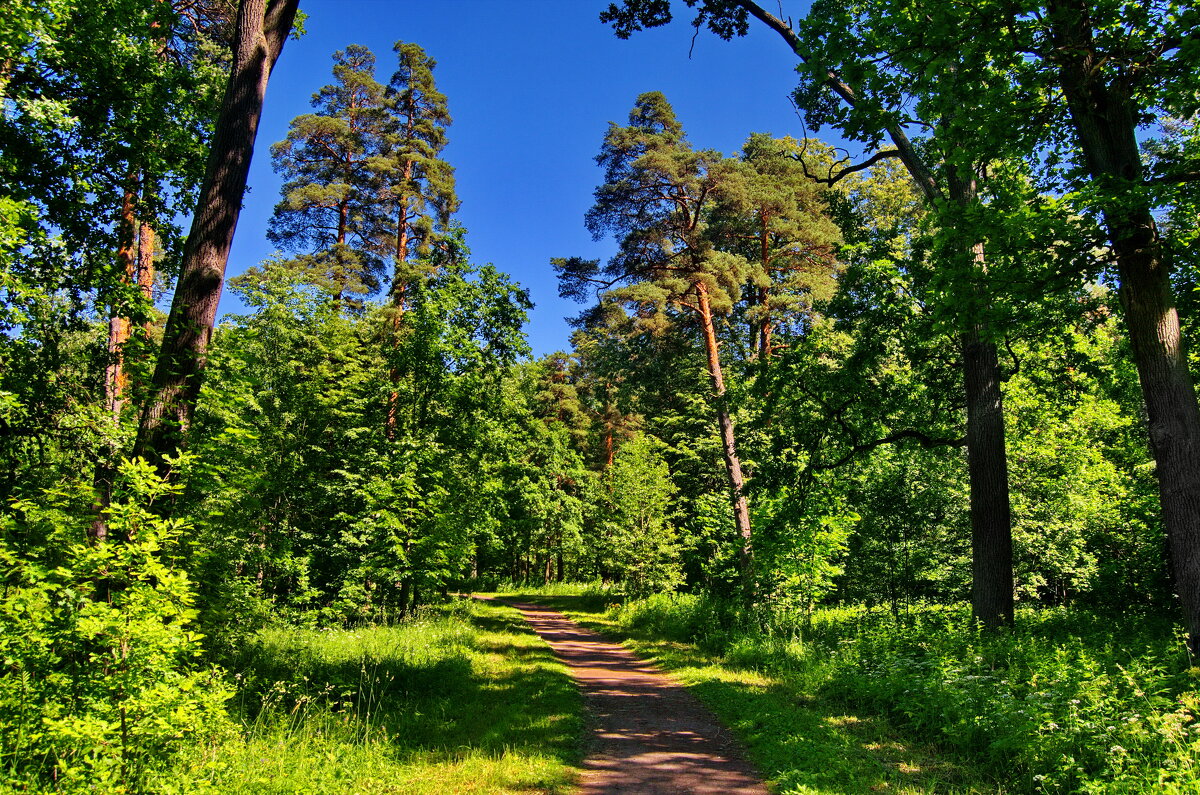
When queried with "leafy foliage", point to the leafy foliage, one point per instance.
{"points": [[98, 640]]}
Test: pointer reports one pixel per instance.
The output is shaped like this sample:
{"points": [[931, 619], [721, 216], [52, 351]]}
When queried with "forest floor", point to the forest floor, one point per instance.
{"points": [[649, 735]]}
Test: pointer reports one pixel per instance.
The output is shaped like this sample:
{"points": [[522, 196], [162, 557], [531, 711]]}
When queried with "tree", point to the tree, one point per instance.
{"points": [[262, 28], [780, 221], [1113, 64], [330, 211], [635, 541], [1071, 83], [418, 184], [955, 195], [657, 198]]}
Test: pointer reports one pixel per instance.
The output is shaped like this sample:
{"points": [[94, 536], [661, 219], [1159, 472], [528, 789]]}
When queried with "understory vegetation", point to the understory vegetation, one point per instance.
{"points": [[846, 698], [893, 458]]}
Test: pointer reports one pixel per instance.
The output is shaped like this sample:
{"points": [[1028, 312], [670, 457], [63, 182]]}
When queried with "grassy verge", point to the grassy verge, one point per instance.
{"points": [[803, 742], [854, 701], [464, 699]]}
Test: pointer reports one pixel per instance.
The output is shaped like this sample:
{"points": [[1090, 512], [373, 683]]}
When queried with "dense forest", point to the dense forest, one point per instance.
{"points": [[917, 426]]}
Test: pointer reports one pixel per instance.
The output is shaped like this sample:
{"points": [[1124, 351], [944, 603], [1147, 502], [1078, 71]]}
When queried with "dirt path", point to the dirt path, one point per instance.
{"points": [[649, 735]]}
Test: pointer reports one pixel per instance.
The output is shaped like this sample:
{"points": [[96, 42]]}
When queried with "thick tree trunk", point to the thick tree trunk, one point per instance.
{"points": [[733, 464], [987, 460], [987, 464], [1105, 119], [145, 277], [262, 28]]}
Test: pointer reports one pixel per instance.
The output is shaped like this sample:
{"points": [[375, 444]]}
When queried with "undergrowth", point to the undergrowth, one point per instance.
{"points": [[1066, 701], [463, 698]]}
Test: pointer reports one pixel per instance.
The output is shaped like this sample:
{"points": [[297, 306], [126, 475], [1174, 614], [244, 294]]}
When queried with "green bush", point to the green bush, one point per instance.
{"points": [[100, 685]]}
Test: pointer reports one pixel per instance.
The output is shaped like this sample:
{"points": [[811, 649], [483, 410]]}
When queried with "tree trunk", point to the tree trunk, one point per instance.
{"points": [[399, 289], [987, 460], [991, 517], [114, 370], [119, 326], [403, 598], [145, 278], [763, 341], [733, 465], [987, 464], [1105, 119], [262, 28]]}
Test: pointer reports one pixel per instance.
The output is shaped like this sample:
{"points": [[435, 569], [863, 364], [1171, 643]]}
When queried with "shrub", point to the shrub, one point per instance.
{"points": [[100, 687]]}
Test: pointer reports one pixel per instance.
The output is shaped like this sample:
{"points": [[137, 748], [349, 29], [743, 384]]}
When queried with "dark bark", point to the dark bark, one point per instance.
{"points": [[1104, 114], [987, 464], [991, 517], [402, 600], [262, 28]]}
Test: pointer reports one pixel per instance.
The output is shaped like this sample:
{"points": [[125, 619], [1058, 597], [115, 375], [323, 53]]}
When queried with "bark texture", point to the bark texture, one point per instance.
{"points": [[262, 28], [987, 464]]}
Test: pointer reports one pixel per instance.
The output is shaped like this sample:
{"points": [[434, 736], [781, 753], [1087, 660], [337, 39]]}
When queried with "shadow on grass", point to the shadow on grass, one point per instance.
{"points": [[494, 688], [802, 742]]}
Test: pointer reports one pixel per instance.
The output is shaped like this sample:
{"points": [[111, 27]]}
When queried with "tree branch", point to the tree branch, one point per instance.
{"points": [[831, 179], [923, 439], [920, 172]]}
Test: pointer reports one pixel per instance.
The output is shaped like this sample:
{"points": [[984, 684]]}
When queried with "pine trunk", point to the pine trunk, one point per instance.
{"points": [[262, 29], [733, 464], [1105, 120], [119, 326], [399, 289], [114, 371]]}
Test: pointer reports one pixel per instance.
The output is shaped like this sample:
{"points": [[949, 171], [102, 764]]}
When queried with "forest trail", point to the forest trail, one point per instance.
{"points": [[649, 735]]}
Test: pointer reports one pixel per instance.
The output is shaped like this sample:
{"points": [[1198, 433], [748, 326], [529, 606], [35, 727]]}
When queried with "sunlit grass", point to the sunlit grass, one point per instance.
{"points": [[464, 699], [850, 700], [802, 743]]}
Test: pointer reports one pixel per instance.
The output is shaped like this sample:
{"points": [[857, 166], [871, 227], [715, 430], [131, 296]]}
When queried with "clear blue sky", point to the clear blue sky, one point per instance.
{"points": [[531, 85]]}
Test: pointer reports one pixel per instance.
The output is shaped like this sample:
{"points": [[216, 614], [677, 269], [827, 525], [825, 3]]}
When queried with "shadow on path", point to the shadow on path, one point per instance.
{"points": [[650, 735]]}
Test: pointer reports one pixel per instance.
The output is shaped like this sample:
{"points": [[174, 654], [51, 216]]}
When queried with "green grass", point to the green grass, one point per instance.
{"points": [[464, 699], [858, 701], [803, 743]]}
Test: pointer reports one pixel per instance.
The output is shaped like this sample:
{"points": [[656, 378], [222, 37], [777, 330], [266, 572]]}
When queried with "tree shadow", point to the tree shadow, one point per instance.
{"points": [[497, 691]]}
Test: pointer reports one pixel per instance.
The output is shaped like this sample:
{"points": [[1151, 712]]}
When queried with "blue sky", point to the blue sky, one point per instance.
{"points": [[531, 85]]}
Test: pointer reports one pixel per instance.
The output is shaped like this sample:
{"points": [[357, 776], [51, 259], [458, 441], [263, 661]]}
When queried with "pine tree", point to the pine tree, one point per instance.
{"points": [[657, 198], [779, 220], [329, 213], [418, 186]]}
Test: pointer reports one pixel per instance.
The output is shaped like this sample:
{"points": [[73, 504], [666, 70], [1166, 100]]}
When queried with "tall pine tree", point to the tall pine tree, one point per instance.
{"points": [[329, 213]]}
